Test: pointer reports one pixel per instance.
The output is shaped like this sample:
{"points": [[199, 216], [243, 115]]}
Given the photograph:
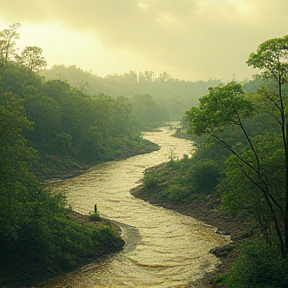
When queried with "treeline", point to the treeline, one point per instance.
{"points": [[241, 161], [68, 123], [174, 96], [38, 236], [47, 127]]}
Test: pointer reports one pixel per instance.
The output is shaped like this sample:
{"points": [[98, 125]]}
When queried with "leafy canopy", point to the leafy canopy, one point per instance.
{"points": [[272, 58], [223, 105]]}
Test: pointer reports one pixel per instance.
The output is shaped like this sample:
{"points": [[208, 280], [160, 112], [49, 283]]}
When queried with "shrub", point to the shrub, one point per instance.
{"points": [[204, 176], [150, 181], [95, 216], [178, 194], [259, 265]]}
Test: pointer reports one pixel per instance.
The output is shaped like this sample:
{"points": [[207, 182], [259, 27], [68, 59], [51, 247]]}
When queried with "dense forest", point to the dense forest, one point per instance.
{"points": [[240, 164], [51, 129]]}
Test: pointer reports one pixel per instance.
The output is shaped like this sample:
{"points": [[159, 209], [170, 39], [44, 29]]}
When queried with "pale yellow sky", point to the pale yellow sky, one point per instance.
{"points": [[190, 39]]}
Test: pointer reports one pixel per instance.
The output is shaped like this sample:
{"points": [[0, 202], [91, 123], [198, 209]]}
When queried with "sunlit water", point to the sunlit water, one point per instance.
{"points": [[163, 248]]}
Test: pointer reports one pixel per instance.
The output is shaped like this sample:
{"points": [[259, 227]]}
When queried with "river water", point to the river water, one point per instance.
{"points": [[163, 248]]}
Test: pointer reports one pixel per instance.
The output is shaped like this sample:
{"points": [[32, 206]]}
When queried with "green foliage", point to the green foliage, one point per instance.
{"points": [[172, 96], [35, 227], [46, 116], [95, 216], [146, 111], [271, 57], [185, 180], [250, 187], [203, 176], [253, 185], [8, 43], [219, 281], [223, 105], [150, 181], [70, 126], [178, 193], [37, 231], [259, 265], [32, 58], [19, 80]]}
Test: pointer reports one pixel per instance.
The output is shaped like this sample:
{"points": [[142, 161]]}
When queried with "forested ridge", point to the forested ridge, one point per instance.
{"points": [[239, 168]]}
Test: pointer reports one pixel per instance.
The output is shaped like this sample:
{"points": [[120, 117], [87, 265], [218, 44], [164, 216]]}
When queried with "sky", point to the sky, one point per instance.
{"points": [[190, 39]]}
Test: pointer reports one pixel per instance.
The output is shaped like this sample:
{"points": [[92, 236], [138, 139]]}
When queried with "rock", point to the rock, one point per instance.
{"points": [[221, 251], [222, 232]]}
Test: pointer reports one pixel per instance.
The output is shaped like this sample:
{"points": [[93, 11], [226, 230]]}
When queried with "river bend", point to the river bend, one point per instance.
{"points": [[163, 248]]}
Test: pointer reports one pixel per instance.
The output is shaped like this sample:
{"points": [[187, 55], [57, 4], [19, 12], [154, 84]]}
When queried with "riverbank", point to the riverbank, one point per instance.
{"points": [[38, 274], [53, 167], [207, 211], [65, 168]]}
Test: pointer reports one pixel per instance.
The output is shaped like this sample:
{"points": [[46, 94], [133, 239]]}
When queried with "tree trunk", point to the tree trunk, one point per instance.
{"points": [[286, 198]]}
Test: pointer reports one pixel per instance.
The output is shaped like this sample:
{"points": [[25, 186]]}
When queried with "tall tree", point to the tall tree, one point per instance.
{"points": [[228, 105], [32, 58], [271, 58], [7, 42]]}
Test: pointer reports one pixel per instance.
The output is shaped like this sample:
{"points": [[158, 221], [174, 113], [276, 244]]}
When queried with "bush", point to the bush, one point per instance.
{"points": [[259, 265], [219, 281], [204, 176], [179, 194], [150, 181], [95, 216]]}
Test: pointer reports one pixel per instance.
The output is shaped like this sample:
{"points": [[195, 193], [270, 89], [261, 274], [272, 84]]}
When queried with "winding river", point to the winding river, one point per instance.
{"points": [[163, 248]]}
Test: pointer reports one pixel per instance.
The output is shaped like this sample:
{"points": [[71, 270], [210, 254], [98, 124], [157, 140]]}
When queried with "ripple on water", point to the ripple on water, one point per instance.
{"points": [[163, 248]]}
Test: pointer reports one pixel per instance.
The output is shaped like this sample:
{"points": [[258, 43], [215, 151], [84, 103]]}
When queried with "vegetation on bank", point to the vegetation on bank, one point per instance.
{"points": [[241, 157], [51, 129]]}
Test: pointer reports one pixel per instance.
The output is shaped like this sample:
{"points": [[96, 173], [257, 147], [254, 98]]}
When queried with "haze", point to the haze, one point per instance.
{"points": [[190, 39]]}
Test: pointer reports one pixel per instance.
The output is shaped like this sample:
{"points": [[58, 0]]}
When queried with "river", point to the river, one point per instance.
{"points": [[163, 248]]}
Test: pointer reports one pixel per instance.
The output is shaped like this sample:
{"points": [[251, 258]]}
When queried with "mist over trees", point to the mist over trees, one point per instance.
{"points": [[173, 95]]}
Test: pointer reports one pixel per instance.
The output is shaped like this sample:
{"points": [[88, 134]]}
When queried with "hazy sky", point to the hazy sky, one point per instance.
{"points": [[190, 39]]}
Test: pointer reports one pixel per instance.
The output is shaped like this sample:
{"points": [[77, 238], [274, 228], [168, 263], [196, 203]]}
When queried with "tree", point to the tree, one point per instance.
{"points": [[32, 58], [228, 105], [20, 80], [36, 230], [271, 58], [146, 110], [46, 116], [15, 154], [7, 42], [258, 197], [223, 105]]}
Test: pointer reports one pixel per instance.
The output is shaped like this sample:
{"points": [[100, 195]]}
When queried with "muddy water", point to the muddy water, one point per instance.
{"points": [[163, 248]]}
